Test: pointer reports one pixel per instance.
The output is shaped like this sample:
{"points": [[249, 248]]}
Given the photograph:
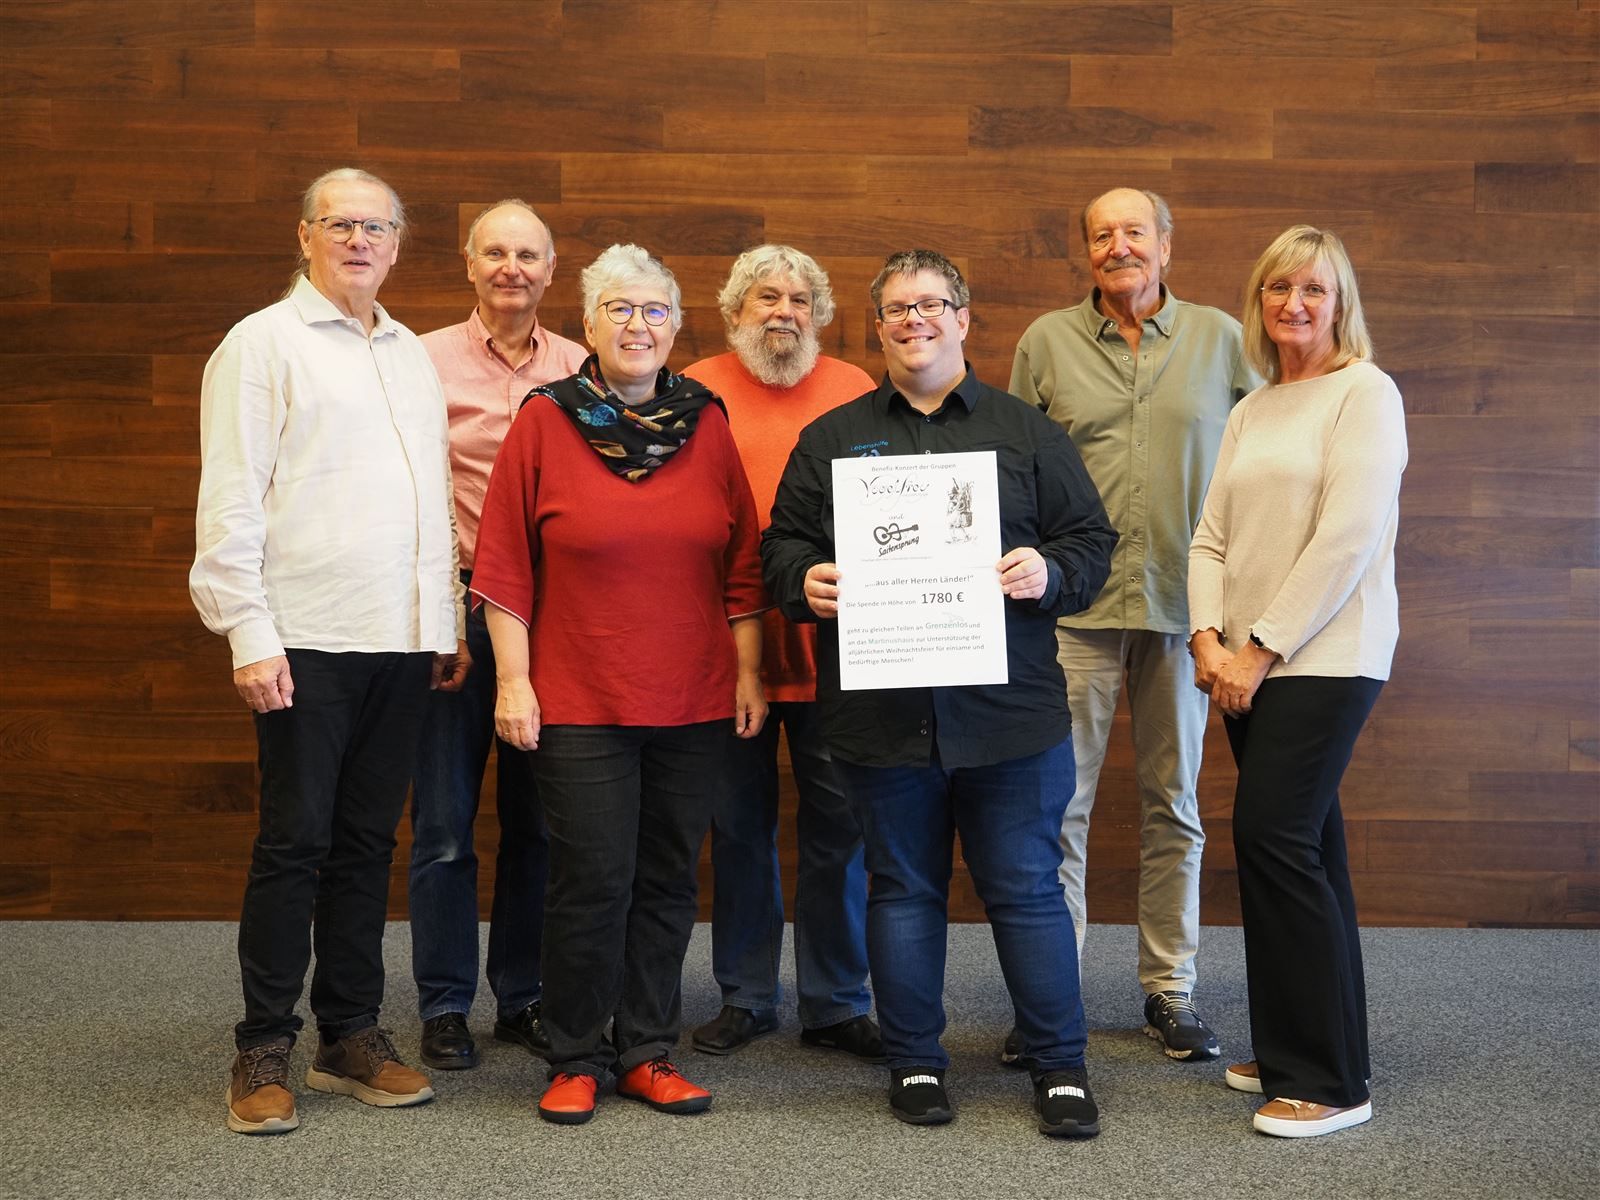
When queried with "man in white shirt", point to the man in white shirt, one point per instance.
{"points": [[325, 552], [487, 365]]}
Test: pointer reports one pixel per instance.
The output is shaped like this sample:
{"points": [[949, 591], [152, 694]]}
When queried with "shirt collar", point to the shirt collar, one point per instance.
{"points": [[316, 309], [479, 333], [1097, 325], [966, 391]]}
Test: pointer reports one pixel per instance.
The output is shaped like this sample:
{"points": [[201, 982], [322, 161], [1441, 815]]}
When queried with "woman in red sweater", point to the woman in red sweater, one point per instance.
{"points": [[618, 556]]}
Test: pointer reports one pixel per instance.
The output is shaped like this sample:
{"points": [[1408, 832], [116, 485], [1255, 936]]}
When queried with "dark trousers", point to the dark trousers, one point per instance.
{"points": [[451, 757], [627, 809], [1308, 997], [830, 878], [334, 772]]}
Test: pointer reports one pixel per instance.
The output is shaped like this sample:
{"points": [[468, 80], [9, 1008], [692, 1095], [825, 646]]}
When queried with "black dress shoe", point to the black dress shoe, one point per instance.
{"points": [[446, 1044], [917, 1096], [731, 1029], [858, 1036], [526, 1030]]}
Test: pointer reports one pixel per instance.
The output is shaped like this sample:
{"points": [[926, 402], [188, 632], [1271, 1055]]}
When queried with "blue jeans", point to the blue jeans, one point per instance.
{"points": [[452, 753], [628, 808], [1008, 815], [830, 894]]}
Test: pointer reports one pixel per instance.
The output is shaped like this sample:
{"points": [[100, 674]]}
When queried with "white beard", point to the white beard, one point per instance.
{"points": [[778, 369]]}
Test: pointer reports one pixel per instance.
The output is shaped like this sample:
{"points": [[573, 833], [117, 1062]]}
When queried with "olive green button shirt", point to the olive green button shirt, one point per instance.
{"points": [[1148, 431]]}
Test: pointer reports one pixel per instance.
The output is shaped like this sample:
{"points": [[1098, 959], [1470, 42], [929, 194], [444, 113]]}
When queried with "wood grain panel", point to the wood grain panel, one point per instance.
{"points": [[690, 77], [58, 176], [481, 24], [1229, 80], [961, 27], [592, 27], [1489, 87], [75, 24], [1156, 130], [1519, 32], [1328, 31], [176, 125], [814, 129], [109, 74], [885, 82], [24, 124], [1537, 187], [595, 126], [152, 156], [321, 75], [121, 227], [1422, 136]]}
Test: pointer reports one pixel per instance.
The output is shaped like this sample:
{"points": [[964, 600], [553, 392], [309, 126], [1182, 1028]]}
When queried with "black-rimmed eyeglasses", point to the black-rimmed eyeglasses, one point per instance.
{"points": [[893, 314], [621, 312]]}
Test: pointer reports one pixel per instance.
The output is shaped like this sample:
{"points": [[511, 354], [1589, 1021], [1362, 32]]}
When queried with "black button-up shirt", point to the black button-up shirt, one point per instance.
{"points": [[1047, 501]]}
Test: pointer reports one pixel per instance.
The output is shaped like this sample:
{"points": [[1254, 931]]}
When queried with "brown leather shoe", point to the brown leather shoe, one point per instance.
{"points": [[365, 1065], [1302, 1118], [1244, 1077], [259, 1100]]}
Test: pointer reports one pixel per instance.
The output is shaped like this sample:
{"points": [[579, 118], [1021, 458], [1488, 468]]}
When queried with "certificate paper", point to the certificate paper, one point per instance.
{"points": [[916, 538]]}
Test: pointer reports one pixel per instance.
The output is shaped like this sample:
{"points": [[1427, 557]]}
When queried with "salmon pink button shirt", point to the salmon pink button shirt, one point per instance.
{"points": [[483, 392]]}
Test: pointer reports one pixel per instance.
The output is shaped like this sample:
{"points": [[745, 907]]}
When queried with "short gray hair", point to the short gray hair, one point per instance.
{"points": [[912, 262], [625, 263], [1163, 213], [510, 202], [763, 262], [312, 200]]}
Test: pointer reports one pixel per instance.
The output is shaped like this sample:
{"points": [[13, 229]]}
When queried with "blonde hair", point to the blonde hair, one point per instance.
{"points": [[1297, 247]]}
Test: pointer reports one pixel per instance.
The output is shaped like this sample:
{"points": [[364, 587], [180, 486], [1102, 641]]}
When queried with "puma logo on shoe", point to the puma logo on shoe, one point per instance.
{"points": [[1064, 1090], [914, 1079]]}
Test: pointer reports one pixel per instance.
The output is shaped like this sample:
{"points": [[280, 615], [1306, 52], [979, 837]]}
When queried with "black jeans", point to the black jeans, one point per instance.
{"points": [[627, 808], [334, 773], [1308, 995]]}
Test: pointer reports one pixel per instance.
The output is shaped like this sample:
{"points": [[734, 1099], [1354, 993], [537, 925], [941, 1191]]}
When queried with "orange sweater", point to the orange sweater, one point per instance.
{"points": [[766, 421]]}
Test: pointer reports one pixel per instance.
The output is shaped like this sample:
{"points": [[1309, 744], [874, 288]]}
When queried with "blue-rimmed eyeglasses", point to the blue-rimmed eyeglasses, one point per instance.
{"points": [[1311, 294], [342, 229], [893, 314], [621, 312]]}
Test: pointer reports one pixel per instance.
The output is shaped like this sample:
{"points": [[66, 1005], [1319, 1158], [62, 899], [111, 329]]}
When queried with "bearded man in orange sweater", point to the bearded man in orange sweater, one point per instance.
{"points": [[774, 382]]}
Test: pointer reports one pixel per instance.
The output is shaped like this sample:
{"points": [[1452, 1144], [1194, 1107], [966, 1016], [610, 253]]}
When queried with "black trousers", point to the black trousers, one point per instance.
{"points": [[1308, 998], [627, 808], [334, 773]]}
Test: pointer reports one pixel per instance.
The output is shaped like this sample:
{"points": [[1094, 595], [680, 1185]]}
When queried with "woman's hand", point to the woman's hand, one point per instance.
{"points": [[516, 712], [749, 705], [1239, 677], [1209, 657]]}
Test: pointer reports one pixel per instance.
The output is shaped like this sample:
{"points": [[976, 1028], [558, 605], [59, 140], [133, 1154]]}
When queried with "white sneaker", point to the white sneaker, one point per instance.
{"points": [[1301, 1118]]}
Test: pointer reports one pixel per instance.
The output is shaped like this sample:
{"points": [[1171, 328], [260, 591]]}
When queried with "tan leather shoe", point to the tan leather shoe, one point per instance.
{"points": [[1244, 1077], [365, 1065], [259, 1100], [1301, 1118]]}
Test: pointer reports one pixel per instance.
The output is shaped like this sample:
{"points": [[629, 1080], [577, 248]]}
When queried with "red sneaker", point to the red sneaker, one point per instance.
{"points": [[660, 1086], [569, 1100]]}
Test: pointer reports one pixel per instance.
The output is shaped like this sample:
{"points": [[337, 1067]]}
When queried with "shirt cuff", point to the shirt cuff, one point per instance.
{"points": [[254, 640]]}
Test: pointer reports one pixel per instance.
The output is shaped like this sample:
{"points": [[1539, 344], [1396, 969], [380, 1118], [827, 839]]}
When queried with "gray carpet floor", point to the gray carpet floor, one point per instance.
{"points": [[1485, 1050]]}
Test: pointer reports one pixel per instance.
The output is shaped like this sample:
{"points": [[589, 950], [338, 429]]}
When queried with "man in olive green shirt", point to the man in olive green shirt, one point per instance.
{"points": [[1143, 384]]}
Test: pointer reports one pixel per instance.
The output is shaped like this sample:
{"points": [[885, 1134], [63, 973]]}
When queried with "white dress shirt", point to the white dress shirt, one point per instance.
{"points": [[325, 519]]}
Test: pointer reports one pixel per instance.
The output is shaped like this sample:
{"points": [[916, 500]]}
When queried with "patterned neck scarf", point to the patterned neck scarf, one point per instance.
{"points": [[631, 443]]}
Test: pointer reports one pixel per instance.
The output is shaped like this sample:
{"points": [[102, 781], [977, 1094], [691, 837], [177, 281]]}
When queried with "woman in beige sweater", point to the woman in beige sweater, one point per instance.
{"points": [[1293, 606]]}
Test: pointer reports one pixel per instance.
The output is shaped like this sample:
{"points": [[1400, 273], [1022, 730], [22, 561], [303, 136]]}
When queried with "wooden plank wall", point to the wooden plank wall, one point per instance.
{"points": [[151, 153]]}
